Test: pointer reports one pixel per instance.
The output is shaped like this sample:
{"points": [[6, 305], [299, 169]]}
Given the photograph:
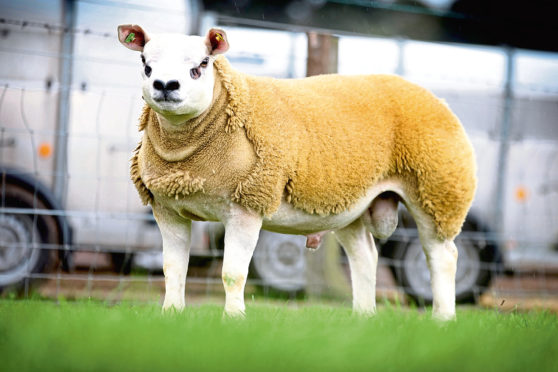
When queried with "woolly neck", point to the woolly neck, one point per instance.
{"points": [[178, 143]]}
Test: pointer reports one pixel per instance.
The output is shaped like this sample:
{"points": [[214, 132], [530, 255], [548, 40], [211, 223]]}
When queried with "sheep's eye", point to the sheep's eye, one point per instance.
{"points": [[142, 59], [204, 62], [195, 73], [147, 71]]}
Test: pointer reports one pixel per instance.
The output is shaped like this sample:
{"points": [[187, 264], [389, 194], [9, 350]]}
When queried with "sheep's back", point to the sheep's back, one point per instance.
{"points": [[336, 136]]}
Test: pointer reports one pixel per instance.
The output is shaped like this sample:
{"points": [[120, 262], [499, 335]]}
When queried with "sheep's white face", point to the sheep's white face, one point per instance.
{"points": [[177, 71], [177, 74]]}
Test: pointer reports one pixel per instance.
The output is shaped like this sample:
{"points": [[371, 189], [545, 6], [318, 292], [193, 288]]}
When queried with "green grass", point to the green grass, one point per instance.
{"points": [[42, 335]]}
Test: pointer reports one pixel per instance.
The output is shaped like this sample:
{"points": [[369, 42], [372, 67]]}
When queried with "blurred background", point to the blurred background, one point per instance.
{"points": [[72, 224]]}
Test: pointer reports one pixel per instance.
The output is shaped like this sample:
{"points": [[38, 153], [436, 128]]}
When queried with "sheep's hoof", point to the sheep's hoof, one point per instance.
{"points": [[172, 309], [444, 318], [234, 314], [364, 313]]}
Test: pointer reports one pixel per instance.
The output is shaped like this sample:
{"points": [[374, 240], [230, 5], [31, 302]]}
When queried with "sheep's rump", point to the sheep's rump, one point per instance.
{"points": [[322, 142]]}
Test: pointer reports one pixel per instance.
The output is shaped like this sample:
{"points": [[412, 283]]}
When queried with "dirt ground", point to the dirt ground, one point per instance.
{"points": [[530, 290]]}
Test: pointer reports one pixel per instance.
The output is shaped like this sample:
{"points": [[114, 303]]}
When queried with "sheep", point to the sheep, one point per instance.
{"points": [[297, 156]]}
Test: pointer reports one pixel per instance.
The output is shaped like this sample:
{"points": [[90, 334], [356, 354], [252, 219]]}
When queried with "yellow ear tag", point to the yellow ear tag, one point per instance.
{"points": [[131, 37], [219, 37]]}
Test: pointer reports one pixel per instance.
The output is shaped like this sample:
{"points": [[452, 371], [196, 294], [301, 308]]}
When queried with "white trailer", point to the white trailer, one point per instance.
{"points": [[69, 105]]}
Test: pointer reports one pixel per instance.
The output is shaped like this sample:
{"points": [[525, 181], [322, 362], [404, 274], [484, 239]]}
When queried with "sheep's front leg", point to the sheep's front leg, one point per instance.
{"points": [[242, 230], [175, 232]]}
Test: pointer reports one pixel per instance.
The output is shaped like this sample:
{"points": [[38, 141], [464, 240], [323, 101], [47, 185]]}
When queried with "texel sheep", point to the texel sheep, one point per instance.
{"points": [[299, 156]]}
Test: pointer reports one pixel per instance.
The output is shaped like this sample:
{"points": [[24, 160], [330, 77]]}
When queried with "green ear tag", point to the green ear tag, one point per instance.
{"points": [[131, 37]]}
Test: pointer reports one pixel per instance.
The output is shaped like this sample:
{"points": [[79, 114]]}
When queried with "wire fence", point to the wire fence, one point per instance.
{"points": [[100, 242]]}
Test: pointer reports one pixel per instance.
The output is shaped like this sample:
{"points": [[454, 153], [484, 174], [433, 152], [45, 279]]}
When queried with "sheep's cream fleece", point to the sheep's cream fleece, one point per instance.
{"points": [[319, 142]]}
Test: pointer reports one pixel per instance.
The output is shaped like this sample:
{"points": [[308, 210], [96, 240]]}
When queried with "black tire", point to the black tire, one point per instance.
{"points": [[26, 239], [478, 262], [279, 262], [122, 262]]}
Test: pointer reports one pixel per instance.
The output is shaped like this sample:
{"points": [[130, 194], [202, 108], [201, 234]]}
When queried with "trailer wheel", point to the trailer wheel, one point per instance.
{"points": [[122, 262], [22, 238], [279, 261]]}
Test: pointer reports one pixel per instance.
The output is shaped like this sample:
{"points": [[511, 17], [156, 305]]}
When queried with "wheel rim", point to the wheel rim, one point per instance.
{"points": [[279, 261], [418, 276], [17, 256]]}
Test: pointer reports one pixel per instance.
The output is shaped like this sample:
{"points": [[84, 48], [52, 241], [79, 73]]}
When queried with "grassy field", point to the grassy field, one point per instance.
{"points": [[42, 335]]}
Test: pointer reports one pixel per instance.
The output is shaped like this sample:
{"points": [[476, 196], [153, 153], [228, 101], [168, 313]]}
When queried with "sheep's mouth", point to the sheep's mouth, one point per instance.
{"points": [[167, 99]]}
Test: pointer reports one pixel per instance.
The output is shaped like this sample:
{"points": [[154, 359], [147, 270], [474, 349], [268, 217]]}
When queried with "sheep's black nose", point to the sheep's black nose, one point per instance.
{"points": [[172, 85], [159, 85], [169, 86]]}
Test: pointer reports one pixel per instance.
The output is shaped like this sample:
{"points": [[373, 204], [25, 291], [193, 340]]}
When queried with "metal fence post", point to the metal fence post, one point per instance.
{"points": [[504, 146], [400, 68], [61, 148]]}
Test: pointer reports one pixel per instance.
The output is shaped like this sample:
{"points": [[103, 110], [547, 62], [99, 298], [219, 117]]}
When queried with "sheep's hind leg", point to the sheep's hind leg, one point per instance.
{"points": [[363, 259], [441, 257]]}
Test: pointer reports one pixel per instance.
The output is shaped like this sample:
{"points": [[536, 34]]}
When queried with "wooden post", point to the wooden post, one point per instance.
{"points": [[322, 54], [325, 276]]}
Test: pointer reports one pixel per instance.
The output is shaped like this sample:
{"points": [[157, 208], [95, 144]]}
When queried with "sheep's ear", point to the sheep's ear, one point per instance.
{"points": [[216, 41], [132, 37]]}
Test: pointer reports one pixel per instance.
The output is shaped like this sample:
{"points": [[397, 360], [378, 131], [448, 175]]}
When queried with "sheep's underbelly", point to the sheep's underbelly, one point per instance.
{"points": [[286, 219], [290, 220], [196, 207]]}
